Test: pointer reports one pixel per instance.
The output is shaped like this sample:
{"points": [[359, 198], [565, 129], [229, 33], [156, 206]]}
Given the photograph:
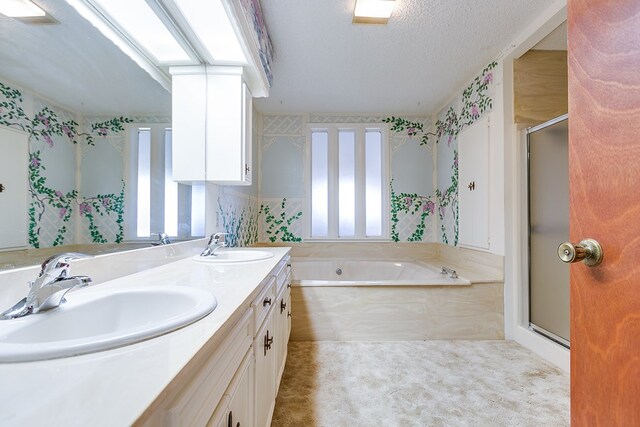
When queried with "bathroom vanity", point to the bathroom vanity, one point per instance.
{"points": [[222, 370]]}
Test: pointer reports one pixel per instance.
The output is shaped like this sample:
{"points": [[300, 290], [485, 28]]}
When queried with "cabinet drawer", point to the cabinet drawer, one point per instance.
{"points": [[263, 303], [282, 271]]}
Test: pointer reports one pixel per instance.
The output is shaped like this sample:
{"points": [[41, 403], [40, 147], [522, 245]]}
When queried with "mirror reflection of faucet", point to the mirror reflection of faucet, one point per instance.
{"points": [[163, 239], [50, 287], [216, 241]]}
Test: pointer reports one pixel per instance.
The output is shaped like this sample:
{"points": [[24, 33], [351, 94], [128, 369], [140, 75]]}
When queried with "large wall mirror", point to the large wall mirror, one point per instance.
{"points": [[96, 166]]}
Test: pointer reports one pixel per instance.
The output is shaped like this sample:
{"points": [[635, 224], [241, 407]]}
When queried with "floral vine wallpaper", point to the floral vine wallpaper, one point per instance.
{"points": [[253, 13], [51, 208], [420, 209], [475, 101]]}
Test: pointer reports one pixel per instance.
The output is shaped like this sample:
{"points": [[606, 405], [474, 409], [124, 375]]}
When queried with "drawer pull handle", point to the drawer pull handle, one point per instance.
{"points": [[289, 264], [266, 301], [289, 314], [283, 306], [288, 285]]}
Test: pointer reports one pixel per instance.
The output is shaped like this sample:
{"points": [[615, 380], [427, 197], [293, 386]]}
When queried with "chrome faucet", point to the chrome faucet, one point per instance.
{"points": [[163, 239], [216, 241], [50, 287], [451, 272]]}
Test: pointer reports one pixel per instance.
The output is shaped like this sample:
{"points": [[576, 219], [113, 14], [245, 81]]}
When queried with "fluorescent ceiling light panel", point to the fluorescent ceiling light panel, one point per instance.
{"points": [[20, 9], [141, 23], [373, 11], [210, 23]]}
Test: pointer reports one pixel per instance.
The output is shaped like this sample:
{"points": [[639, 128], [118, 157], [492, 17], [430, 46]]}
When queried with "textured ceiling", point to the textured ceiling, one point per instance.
{"points": [[74, 65], [429, 49], [323, 63]]}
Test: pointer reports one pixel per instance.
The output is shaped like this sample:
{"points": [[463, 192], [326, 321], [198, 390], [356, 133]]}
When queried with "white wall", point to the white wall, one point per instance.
{"points": [[515, 193]]}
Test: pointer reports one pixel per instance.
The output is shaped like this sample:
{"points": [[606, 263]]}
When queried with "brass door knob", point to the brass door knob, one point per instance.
{"points": [[588, 251]]}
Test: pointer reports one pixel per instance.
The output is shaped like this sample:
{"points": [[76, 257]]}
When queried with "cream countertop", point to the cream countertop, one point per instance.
{"points": [[114, 387]]}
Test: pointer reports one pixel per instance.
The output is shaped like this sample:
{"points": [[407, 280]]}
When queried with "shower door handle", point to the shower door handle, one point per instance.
{"points": [[588, 251]]}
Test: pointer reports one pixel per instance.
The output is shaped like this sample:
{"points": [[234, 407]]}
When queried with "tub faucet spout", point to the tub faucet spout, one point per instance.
{"points": [[451, 272], [50, 287]]}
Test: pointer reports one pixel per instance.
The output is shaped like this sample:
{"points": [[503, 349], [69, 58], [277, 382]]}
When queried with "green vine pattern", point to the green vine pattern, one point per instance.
{"points": [[475, 102], [412, 204], [45, 124], [41, 128], [447, 198], [103, 204], [241, 227], [278, 227]]}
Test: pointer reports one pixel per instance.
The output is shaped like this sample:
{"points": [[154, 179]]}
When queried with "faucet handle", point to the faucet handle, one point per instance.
{"points": [[163, 239], [216, 237], [59, 263]]}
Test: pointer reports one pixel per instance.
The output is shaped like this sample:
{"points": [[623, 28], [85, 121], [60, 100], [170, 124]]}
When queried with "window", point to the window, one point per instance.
{"points": [[347, 174], [154, 202]]}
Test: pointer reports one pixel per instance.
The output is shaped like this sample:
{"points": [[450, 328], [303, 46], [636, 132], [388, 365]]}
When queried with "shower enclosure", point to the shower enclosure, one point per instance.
{"points": [[548, 181]]}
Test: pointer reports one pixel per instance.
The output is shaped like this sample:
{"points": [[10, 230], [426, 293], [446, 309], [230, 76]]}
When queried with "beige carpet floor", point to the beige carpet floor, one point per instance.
{"points": [[419, 383]]}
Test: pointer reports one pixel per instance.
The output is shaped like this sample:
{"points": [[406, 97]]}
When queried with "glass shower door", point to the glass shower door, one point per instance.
{"points": [[548, 227]]}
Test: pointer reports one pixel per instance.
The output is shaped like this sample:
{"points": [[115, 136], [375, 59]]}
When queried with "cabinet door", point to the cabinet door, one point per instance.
{"points": [[282, 310], [241, 404], [247, 134], [473, 184], [229, 121], [289, 308], [13, 188], [265, 372]]}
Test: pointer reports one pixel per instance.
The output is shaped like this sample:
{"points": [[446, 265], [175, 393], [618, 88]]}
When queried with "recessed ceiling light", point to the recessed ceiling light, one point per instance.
{"points": [[373, 11], [20, 9], [25, 11]]}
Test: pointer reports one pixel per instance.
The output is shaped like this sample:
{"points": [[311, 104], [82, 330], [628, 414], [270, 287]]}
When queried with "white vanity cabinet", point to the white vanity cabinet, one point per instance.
{"points": [[211, 125], [206, 386], [264, 354], [474, 184], [233, 381], [236, 407], [270, 339], [282, 320]]}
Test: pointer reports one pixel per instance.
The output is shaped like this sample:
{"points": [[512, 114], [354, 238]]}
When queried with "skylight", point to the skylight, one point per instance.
{"points": [[140, 22], [212, 26]]}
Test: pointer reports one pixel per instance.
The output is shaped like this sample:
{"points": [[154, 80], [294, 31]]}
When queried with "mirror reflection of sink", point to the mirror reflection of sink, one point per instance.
{"points": [[235, 255], [101, 320]]}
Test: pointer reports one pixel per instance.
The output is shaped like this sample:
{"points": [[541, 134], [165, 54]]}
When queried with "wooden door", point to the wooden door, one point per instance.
{"points": [[604, 162]]}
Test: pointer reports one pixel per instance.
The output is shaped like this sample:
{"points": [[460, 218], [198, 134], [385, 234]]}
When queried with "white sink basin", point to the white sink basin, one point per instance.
{"points": [[100, 320], [235, 255]]}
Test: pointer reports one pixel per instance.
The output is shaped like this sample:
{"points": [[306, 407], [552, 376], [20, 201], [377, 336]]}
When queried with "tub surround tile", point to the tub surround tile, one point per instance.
{"points": [[479, 265], [475, 266], [390, 313], [361, 250]]}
